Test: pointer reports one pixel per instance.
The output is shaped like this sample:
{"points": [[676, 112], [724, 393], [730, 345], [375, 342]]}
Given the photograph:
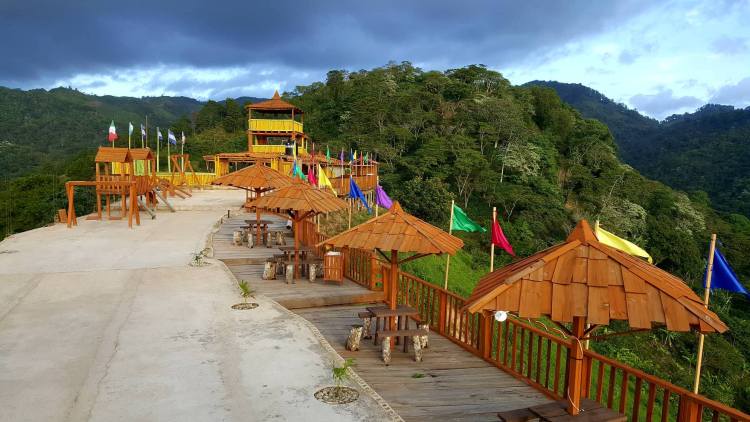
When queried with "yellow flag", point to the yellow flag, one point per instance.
{"points": [[626, 246], [323, 181]]}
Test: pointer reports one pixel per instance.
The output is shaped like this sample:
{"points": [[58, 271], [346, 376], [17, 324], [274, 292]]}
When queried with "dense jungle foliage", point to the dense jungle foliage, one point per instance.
{"points": [[708, 150], [468, 134]]}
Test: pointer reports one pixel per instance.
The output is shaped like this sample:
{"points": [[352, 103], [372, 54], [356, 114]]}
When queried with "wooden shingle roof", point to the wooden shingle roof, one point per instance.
{"points": [[141, 154], [274, 104], [299, 197], [398, 230], [585, 278], [256, 176], [113, 155]]}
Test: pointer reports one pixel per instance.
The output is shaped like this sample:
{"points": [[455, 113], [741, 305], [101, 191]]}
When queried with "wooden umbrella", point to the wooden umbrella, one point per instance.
{"points": [[586, 283], [300, 200], [397, 231], [259, 179]]}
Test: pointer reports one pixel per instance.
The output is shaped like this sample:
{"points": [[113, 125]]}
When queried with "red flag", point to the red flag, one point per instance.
{"points": [[498, 239]]}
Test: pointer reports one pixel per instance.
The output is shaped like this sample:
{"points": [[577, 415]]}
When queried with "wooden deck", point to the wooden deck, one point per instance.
{"points": [[450, 384], [247, 264]]}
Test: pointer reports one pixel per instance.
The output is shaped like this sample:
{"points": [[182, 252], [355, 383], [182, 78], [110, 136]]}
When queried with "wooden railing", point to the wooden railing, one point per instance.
{"points": [[540, 358], [365, 183], [358, 263]]}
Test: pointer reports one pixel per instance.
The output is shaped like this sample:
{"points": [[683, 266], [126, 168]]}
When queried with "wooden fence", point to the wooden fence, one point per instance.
{"points": [[536, 355]]}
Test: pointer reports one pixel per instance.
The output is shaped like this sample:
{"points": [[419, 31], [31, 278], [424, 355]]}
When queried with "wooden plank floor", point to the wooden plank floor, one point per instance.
{"points": [[247, 264], [454, 384], [226, 251]]}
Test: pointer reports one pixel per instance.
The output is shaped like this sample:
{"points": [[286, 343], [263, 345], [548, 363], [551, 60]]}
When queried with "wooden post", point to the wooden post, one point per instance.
{"points": [[448, 260], [486, 333], [257, 220], [393, 284], [492, 244], [575, 367], [296, 223], [377, 183], [373, 271], [442, 316], [706, 295]]}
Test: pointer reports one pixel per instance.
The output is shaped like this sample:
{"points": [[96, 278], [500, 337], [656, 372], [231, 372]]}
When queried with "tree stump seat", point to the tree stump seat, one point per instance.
{"points": [[366, 318], [415, 336]]}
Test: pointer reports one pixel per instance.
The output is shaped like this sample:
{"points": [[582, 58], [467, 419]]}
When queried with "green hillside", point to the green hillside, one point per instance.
{"points": [[708, 150]]}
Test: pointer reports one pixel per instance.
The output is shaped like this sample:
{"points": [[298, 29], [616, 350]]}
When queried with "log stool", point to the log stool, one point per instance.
{"points": [[355, 335]]}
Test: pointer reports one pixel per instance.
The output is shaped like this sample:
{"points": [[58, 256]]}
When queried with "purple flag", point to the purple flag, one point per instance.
{"points": [[381, 198]]}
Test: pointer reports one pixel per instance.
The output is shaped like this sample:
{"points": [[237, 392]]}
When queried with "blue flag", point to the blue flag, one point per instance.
{"points": [[171, 138], [355, 193], [723, 276]]}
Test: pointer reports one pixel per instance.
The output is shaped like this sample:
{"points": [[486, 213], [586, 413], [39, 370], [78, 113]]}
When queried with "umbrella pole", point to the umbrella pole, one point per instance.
{"points": [[257, 219], [575, 366], [296, 245], [393, 282]]}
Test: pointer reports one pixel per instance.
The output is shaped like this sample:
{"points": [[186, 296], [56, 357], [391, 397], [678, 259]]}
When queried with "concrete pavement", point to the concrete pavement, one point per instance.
{"points": [[101, 322]]}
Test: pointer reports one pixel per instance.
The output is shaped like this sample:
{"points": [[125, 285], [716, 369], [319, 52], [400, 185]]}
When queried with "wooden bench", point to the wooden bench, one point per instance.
{"points": [[415, 336]]}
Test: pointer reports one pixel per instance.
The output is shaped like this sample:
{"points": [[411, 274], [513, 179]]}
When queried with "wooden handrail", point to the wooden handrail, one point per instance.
{"points": [[534, 355]]}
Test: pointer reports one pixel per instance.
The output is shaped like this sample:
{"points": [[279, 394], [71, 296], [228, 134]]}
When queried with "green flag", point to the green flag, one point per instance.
{"points": [[462, 222], [328, 154]]}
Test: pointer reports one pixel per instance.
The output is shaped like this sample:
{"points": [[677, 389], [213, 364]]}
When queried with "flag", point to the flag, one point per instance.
{"points": [[355, 193], [297, 171], [112, 132], [159, 138], [183, 138], [341, 157], [171, 138], [354, 157], [143, 131], [328, 155], [723, 276], [311, 176], [366, 159], [323, 181], [382, 198], [626, 246], [130, 128], [462, 222], [498, 239]]}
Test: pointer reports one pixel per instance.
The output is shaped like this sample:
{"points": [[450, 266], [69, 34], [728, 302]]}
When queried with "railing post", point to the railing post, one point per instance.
{"points": [[485, 342], [689, 410], [373, 271], [443, 311]]}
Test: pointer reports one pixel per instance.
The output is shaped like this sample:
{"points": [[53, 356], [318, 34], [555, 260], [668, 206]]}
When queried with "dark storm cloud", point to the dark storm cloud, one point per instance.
{"points": [[48, 40]]}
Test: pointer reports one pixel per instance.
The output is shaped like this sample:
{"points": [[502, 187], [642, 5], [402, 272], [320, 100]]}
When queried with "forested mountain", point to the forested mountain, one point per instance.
{"points": [[45, 128], [708, 150], [470, 135]]}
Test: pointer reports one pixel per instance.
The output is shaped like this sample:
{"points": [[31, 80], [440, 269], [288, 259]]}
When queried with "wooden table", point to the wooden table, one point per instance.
{"points": [[386, 314], [261, 228], [304, 254]]}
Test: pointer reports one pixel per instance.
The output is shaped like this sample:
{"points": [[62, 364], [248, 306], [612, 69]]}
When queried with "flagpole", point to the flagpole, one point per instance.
{"points": [[169, 159], [377, 183], [351, 201], [158, 158], [492, 244], [706, 295], [448, 260]]}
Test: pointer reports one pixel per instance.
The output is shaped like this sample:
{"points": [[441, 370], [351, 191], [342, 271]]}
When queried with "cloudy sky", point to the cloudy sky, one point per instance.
{"points": [[660, 57]]}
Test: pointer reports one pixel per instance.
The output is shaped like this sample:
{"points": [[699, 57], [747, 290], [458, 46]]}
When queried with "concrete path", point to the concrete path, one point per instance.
{"points": [[105, 323]]}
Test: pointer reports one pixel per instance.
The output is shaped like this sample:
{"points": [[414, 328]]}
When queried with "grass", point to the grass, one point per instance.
{"points": [[463, 275]]}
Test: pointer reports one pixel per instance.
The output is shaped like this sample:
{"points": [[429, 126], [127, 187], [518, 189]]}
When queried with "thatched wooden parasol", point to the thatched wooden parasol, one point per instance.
{"points": [[397, 231], [259, 179], [301, 201], [584, 282]]}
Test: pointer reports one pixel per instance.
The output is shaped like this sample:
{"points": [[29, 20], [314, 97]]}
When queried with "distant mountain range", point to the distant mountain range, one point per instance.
{"points": [[708, 150], [40, 127]]}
